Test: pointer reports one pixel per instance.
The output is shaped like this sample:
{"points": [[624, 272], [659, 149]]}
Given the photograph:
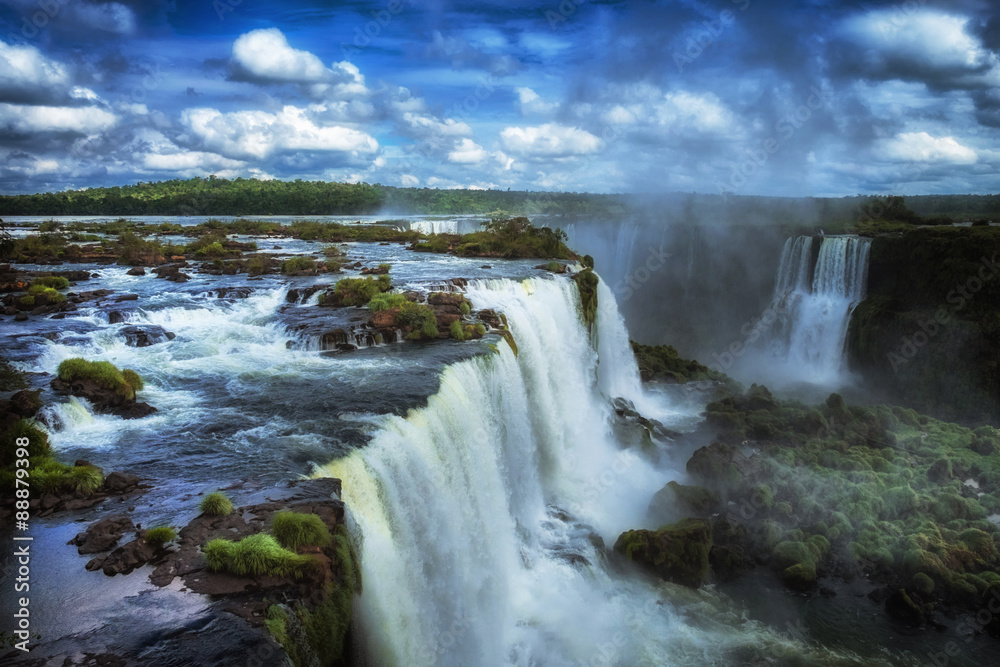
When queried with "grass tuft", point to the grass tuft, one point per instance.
{"points": [[216, 504], [294, 530], [256, 555], [160, 535]]}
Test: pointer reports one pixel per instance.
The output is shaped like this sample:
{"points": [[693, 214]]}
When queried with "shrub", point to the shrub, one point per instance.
{"points": [[359, 291], [55, 282], [294, 530], [386, 301], [465, 308], [298, 264], [457, 332], [256, 555], [101, 373], [213, 249], [420, 318], [216, 504], [49, 293], [160, 535]]}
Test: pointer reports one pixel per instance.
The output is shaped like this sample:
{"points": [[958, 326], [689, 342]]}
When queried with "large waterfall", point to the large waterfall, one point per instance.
{"points": [[479, 518], [815, 292]]}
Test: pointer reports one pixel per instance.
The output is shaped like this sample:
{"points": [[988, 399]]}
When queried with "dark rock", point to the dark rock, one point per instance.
{"points": [[146, 335], [728, 556], [127, 297], [688, 501], [678, 552], [446, 299], [115, 316], [120, 482], [489, 318], [721, 467], [233, 292], [137, 271], [10, 310], [905, 607], [26, 403], [21, 317], [127, 558], [486, 266], [103, 399], [103, 535]]}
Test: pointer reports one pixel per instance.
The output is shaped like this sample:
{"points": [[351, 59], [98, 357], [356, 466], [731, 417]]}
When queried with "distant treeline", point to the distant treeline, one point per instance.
{"points": [[242, 196]]}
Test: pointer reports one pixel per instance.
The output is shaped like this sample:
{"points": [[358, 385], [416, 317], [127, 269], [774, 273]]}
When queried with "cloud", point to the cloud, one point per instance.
{"points": [[549, 141], [21, 119], [247, 135], [531, 102], [468, 152], [922, 147], [264, 56], [27, 76]]}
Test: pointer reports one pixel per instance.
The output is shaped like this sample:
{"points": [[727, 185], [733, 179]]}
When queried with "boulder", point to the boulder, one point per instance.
{"points": [[130, 556], [137, 271], [677, 553], [103, 535], [906, 607], [146, 335], [684, 500], [26, 403], [120, 482]]}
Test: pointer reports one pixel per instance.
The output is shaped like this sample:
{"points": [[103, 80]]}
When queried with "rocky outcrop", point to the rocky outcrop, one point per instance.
{"points": [[172, 272], [103, 535], [677, 553], [103, 399], [146, 335]]}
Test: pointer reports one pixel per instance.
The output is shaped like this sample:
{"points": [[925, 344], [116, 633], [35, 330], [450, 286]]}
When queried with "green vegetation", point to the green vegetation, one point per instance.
{"points": [[386, 301], [11, 379], [298, 265], [335, 259], [45, 473], [587, 282], [318, 636], [663, 363], [419, 319], [160, 535], [51, 295], [878, 489], [103, 374], [502, 237], [216, 504], [678, 552], [55, 282], [356, 291], [254, 556], [294, 530]]}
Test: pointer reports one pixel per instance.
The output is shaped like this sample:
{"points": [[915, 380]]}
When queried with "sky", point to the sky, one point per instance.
{"points": [[807, 98]]}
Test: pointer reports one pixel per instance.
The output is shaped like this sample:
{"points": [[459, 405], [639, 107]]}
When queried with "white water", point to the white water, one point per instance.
{"points": [[474, 515], [814, 306]]}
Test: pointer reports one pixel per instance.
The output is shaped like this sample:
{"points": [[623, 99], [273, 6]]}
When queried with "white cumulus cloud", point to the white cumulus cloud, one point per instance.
{"points": [[32, 119], [549, 141], [922, 147], [256, 134]]}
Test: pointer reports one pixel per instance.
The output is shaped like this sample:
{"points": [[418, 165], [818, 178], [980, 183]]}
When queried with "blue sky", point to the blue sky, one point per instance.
{"points": [[807, 98]]}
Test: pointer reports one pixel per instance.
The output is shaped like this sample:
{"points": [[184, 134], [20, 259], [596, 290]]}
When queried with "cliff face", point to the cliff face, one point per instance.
{"points": [[928, 334]]}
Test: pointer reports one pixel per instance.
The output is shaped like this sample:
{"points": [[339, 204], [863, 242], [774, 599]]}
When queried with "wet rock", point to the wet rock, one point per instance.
{"points": [[690, 501], [144, 336], [127, 297], [137, 271], [678, 552], [103, 535], [26, 403], [233, 292], [489, 318], [116, 316], [120, 482], [103, 399], [129, 557], [21, 317]]}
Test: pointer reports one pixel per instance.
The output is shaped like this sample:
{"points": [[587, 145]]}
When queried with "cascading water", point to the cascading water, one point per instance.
{"points": [[814, 303], [480, 517]]}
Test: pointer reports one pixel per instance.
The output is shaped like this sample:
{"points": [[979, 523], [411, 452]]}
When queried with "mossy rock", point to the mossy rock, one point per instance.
{"points": [[799, 577], [677, 552], [922, 584], [905, 607], [692, 501]]}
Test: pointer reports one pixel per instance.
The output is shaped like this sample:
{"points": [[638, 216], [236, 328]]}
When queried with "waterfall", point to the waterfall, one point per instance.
{"points": [[480, 517], [814, 302]]}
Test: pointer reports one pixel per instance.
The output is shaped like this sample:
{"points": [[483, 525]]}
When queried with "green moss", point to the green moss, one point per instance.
{"points": [[160, 535], [457, 331], [799, 577], [678, 552], [27, 301], [216, 504], [587, 282], [294, 530], [419, 318], [102, 373], [256, 555], [212, 250], [922, 584], [465, 308]]}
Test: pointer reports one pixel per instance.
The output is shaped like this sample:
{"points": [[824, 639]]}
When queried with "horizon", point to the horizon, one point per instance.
{"points": [[587, 97]]}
